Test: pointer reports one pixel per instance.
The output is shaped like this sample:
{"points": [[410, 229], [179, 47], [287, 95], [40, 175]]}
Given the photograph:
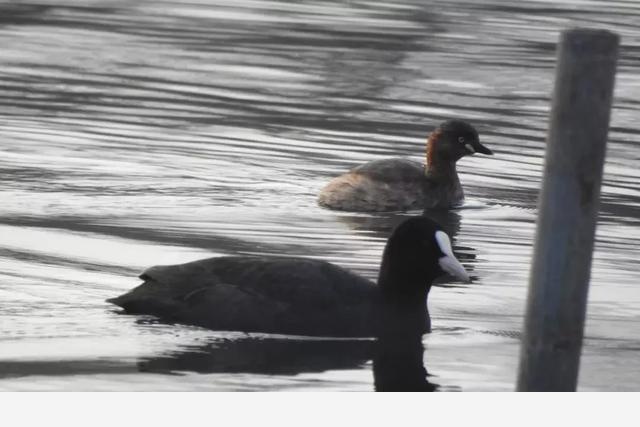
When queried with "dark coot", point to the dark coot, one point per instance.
{"points": [[302, 296]]}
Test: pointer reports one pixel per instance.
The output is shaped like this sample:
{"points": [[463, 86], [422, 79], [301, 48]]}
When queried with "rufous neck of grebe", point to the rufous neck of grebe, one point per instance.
{"points": [[437, 162], [431, 146]]}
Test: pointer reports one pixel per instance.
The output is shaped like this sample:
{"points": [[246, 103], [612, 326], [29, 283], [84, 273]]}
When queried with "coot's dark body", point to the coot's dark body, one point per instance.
{"points": [[303, 296], [258, 296]]}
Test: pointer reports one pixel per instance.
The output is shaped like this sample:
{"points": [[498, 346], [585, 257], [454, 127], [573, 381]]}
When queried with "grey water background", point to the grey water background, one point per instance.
{"points": [[159, 132]]}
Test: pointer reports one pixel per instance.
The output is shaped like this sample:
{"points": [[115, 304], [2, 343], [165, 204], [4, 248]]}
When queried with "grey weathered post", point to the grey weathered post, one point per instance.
{"points": [[568, 207]]}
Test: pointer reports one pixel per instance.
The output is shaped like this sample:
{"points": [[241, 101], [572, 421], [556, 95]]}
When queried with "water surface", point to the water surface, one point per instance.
{"points": [[163, 132]]}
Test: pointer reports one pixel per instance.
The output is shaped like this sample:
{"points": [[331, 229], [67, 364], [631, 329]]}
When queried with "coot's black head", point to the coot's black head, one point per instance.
{"points": [[453, 140], [417, 252]]}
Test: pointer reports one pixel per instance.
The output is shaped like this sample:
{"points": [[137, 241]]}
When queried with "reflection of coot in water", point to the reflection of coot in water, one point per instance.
{"points": [[284, 356], [398, 360], [301, 296], [398, 363]]}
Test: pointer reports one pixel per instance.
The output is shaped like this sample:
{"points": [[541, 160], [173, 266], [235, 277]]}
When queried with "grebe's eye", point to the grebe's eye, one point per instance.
{"points": [[461, 139]]}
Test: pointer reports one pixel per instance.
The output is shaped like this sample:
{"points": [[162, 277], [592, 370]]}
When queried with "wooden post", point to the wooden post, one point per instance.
{"points": [[568, 208]]}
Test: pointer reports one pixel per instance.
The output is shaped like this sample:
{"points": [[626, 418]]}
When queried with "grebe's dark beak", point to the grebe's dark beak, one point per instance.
{"points": [[476, 147]]}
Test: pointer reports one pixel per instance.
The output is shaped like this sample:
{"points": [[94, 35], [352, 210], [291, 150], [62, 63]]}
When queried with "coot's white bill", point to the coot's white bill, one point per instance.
{"points": [[449, 263]]}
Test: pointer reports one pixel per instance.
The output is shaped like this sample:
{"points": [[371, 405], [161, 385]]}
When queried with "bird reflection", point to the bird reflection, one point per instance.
{"points": [[398, 365], [263, 355], [397, 359], [382, 224]]}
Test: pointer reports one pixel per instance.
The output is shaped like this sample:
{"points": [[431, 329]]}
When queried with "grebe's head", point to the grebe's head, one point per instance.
{"points": [[453, 140]]}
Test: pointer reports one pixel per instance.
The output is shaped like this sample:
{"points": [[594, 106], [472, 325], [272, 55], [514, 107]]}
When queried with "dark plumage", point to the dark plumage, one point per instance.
{"points": [[298, 295], [402, 184]]}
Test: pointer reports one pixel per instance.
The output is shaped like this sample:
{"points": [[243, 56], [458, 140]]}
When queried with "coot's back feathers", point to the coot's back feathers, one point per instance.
{"points": [[257, 294]]}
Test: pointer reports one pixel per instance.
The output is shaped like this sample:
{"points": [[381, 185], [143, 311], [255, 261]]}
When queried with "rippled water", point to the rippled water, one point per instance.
{"points": [[134, 134]]}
